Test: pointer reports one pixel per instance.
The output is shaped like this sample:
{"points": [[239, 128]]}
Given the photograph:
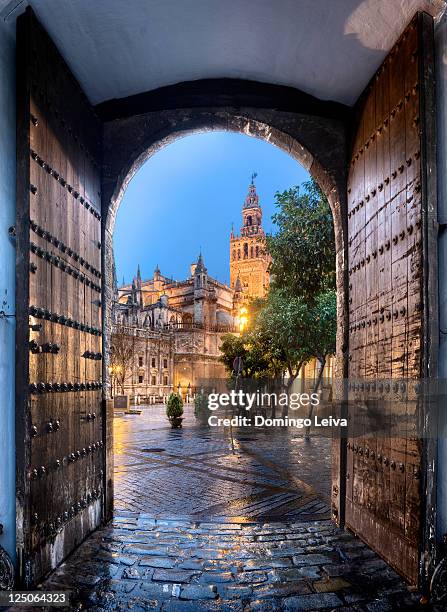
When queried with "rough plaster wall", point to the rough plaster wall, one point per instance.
{"points": [[441, 91], [7, 286]]}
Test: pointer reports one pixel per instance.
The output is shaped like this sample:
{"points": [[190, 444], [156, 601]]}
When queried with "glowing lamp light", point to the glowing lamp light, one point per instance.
{"points": [[243, 319]]}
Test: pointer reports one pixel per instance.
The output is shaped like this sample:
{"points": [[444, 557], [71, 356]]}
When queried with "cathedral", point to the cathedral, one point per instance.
{"points": [[174, 328]]}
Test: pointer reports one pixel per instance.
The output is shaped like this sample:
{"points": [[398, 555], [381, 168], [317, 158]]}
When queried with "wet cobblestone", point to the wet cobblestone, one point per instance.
{"points": [[229, 534], [193, 472], [248, 572]]}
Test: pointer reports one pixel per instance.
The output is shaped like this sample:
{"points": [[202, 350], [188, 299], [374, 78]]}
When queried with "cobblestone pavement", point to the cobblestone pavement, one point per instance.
{"points": [[198, 528], [139, 563], [193, 472]]}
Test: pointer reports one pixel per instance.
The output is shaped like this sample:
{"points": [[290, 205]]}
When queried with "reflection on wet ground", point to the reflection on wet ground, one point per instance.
{"points": [[199, 528], [193, 471]]}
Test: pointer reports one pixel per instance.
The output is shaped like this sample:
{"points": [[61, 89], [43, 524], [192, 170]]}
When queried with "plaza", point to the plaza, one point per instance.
{"points": [[200, 527]]}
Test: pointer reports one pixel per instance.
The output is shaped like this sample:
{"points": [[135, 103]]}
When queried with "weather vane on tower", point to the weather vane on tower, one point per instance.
{"points": [[253, 176]]}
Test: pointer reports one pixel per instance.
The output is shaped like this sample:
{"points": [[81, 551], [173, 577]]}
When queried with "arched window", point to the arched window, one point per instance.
{"points": [[234, 254], [187, 319], [239, 254], [257, 251], [251, 252], [249, 220], [245, 250]]}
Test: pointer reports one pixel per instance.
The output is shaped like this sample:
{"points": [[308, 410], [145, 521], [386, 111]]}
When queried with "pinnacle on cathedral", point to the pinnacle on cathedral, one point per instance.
{"points": [[200, 266], [238, 285], [138, 276], [252, 199]]}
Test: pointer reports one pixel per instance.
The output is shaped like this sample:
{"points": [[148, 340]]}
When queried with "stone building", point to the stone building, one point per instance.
{"points": [[175, 330], [249, 262], [175, 327]]}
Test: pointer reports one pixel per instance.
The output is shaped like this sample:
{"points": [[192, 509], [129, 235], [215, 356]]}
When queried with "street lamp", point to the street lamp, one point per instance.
{"points": [[114, 370], [243, 318]]}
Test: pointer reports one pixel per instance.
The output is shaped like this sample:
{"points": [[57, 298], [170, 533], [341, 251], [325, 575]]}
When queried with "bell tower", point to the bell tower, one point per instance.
{"points": [[248, 260]]}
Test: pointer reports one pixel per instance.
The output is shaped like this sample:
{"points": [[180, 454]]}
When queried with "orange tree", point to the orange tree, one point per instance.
{"points": [[297, 321]]}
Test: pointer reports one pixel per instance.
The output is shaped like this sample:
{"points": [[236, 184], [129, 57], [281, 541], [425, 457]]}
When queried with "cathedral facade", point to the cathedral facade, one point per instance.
{"points": [[174, 328]]}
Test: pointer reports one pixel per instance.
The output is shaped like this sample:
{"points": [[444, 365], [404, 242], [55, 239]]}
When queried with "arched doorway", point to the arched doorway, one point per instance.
{"points": [[203, 180], [91, 169], [130, 144]]}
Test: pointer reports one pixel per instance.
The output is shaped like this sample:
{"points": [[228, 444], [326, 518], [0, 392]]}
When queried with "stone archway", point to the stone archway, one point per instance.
{"points": [[316, 137], [83, 157], [319, 143]]}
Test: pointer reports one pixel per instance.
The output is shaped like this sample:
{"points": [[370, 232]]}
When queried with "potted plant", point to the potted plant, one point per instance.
{"points": [[174, 410]]}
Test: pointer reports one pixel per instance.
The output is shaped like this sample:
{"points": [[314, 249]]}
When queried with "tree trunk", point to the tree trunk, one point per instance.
{"points": [[317, 384], [121, 382], [292, 377]]}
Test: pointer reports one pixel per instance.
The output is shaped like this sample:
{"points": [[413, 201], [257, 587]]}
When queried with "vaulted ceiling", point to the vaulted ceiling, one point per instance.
{"points": [[328, 48]]}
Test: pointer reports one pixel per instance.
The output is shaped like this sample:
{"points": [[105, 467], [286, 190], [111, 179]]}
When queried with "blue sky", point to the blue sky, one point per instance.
{"points": [[185, 198]]}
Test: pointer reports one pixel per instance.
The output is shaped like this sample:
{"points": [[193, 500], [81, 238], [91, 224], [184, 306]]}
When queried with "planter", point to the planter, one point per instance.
{"points": [[174, 410], [176, 422]]}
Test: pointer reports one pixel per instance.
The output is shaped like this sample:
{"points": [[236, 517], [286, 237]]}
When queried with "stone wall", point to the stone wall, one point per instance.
{"points": [[169, 358]]}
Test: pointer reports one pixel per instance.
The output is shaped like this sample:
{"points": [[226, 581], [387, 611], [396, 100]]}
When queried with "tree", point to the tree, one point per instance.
{"points": [[303, 268], [297, 331], [324, 327], [302, 250], [287, 333], [122, 353], [297, 320], [255, 358], [250, 346]]}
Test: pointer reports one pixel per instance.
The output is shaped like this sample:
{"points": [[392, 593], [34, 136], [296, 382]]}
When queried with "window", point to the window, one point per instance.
{"points": [[257, 251], [140, 379], [154, 380], [251, 252], [234, 254], [245, 250], [140, 362], [153, 362], [187, 318], [165, 381], [165, 363]]}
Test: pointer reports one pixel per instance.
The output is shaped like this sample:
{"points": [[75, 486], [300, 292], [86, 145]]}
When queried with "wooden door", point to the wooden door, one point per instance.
{"points": [[60, 453], [392, 296]]}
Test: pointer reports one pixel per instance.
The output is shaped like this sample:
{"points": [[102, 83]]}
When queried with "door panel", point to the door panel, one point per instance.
{"points": [[60, 458], [388, 296]]}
